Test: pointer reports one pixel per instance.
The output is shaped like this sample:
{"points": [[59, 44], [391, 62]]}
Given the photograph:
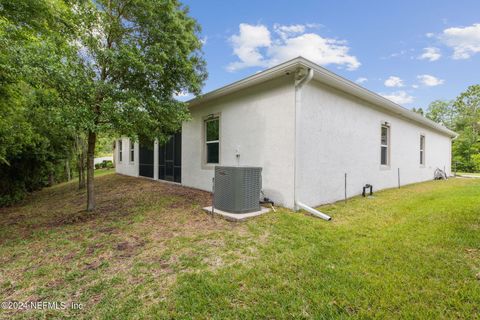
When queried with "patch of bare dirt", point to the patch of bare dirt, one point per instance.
{"points": [[473, 253], [93, 265], [129, 249], [68, 257], [55, 283], [107, 230], [91, 248]]}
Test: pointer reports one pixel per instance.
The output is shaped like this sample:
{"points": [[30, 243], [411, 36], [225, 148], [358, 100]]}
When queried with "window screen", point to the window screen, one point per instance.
{"points": [[384, 145], [422, 149], [212, 140], [120, 150]]}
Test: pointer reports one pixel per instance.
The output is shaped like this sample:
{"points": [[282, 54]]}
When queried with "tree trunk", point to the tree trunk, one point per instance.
{"points": [[67, 169], [81, 177], [80, 151], [92, 139], [81, 170], [51, 179]]}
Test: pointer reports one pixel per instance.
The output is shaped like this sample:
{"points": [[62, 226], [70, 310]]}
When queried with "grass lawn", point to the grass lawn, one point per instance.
{"points": [[150, 252], [102, 172]]}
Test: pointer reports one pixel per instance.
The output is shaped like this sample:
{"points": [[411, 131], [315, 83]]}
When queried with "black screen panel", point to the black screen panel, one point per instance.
{"points": [[170, 159]]}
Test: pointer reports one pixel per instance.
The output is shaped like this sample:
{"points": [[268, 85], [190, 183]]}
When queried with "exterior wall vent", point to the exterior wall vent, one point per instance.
{"points": [[237, 189]]}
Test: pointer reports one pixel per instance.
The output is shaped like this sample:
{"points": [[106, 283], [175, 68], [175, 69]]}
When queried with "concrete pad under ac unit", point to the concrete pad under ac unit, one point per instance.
{"points": [[236, 217]]}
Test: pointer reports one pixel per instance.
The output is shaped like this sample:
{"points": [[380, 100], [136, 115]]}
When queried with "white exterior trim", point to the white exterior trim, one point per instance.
{"points": [[323, 75]]}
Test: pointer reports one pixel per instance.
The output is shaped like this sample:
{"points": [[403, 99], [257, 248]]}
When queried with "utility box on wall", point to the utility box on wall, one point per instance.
{"points": [[237, 189]]}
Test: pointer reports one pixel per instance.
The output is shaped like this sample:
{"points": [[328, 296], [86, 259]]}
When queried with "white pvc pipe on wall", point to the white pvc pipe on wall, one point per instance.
{"points": [[301, 79], [313, 211]]}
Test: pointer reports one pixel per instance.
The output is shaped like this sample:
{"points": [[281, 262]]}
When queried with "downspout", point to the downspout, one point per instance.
{"points": [[301, 79], [313, 211]]}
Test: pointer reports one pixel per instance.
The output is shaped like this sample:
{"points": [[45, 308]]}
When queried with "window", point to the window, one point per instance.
{"points": [[132, 151], [384, 146], [119, 150], [212, 140], [422, 150]]}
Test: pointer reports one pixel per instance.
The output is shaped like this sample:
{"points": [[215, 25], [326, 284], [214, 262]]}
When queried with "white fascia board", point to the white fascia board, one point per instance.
{"points": [[329, 78], [263, 76], [333, 80]]}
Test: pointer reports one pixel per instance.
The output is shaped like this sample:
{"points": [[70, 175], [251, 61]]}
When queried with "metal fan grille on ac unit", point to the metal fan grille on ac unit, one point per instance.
{"points": [[237, 189]]}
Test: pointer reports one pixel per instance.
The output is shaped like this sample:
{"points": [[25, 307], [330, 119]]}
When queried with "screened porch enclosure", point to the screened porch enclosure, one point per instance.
{"points": [[145, 159], [170, 159]]}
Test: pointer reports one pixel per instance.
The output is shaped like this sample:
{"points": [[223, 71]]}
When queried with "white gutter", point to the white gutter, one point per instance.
{"points": [[336, 81], [328, 78], [300, 81]]}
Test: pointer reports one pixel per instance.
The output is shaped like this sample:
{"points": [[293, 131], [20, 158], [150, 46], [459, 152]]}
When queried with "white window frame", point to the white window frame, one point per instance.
{"points": [[422, 150], [120, 153], [387, 146], [131, 150], [206, 142]]}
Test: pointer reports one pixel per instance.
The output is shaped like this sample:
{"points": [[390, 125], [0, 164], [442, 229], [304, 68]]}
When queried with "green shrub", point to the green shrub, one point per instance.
{"points": [[476, 162], [107, 164]]}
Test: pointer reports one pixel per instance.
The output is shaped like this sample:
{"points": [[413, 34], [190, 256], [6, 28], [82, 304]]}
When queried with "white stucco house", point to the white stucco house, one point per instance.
{"points": [[306, 127]]}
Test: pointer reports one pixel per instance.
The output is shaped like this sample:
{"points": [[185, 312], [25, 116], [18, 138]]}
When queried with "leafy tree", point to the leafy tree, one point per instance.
{"points": [[467, 107], [467, 123], [70, 70], [463, 116], [33, 137], [105, 145], [418, 110], [464, 148], [135, 56], [442, 112], [476, 162]]}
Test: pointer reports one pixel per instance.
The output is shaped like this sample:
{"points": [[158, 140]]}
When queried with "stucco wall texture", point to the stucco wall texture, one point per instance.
{"points": [[258, 122], [338, 134], [341, 134]]}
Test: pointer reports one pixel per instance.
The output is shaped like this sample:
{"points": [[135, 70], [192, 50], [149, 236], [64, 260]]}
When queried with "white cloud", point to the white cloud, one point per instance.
{"points": [[246, 46], [399, 97], [288, 31], [393, 81], [320, 50], [361, 80], [415, 86], [313, 25], [429, 80], [255, 46], [430, 54], [429, 35], [465, 42]]}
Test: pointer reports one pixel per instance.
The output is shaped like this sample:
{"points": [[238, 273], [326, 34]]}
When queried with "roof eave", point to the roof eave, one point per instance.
{"points": [[333, 80], [254, 79], [327, 77]]}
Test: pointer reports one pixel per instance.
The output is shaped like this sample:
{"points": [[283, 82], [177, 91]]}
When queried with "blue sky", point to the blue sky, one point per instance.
{"points": [[413, 52]]}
